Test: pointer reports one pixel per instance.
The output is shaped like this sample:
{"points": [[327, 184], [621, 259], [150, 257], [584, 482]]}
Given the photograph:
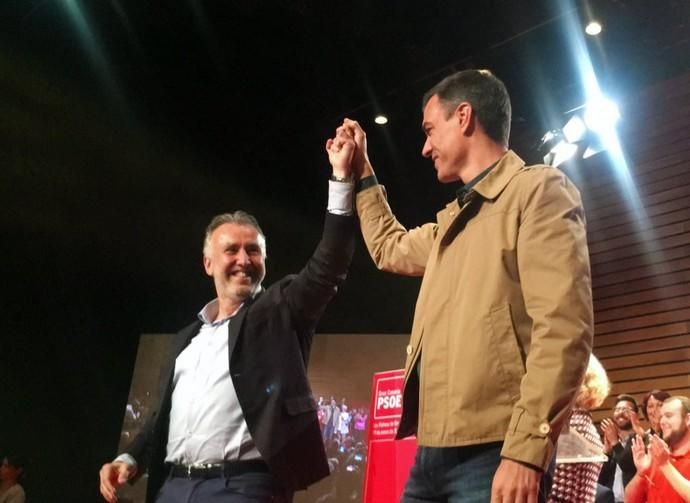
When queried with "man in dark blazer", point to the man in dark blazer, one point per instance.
{"points": [[237, 421], [618, 433]]}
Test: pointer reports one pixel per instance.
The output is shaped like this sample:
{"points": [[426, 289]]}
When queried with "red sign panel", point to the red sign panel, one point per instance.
{"points": [[388, 460]]}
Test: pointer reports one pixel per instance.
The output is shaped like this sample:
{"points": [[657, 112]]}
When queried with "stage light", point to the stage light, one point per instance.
{"points": [[560, 153], [381, 120], [575, 129], [593, 28], [590, 151], [601, 115], [549, 136]]}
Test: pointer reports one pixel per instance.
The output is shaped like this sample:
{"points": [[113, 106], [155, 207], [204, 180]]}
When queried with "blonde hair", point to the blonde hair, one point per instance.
{"points": [[595, 386]]}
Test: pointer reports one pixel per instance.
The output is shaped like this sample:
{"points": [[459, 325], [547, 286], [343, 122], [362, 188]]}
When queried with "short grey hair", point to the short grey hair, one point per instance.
{"points": [[238, 217]]}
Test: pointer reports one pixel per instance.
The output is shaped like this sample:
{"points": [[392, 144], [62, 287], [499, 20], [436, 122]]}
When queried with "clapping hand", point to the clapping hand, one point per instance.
{"points": [[642, 459], [635, 421], [610, 431], [659, 450]]}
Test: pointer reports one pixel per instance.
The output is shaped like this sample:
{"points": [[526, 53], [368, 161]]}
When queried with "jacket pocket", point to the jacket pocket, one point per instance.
{"points": [[504, 343], [300, 404]]}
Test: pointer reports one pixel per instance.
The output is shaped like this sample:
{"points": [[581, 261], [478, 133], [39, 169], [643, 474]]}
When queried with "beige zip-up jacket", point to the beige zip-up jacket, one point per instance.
{"points": [[503, 323]]}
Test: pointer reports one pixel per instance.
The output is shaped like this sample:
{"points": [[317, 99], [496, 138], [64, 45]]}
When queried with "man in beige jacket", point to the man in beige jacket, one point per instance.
{"points": [[503, 325]]}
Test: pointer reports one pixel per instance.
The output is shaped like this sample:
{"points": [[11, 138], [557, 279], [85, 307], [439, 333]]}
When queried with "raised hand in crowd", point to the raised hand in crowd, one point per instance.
{"points": [[642, 459], [635, 421], [659, 450], [610, 431]]}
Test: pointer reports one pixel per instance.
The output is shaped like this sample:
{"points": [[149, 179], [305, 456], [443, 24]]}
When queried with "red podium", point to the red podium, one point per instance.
{"points": [[388, 460]]}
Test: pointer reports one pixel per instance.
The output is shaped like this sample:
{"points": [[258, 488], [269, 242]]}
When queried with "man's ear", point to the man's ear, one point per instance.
{"points": [[207, 265], [464, 114]]}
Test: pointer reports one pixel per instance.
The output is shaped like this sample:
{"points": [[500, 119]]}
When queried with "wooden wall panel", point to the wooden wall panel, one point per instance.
{"points": [[639, 237]]}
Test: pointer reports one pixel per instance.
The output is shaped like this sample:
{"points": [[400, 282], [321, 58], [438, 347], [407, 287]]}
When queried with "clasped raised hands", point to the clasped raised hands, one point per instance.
{"points": [[347, 151]]}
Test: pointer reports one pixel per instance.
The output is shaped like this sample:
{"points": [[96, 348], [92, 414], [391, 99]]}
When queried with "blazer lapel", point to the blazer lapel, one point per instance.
{"points": [[236, 323], [179, 342]]}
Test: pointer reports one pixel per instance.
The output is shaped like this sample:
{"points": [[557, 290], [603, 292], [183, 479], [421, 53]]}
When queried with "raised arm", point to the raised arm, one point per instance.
{"points": [[311, 290], [392, 247]]}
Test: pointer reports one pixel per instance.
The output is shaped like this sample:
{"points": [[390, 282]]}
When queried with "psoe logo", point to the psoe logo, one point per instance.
{"points": [[389, 397]]}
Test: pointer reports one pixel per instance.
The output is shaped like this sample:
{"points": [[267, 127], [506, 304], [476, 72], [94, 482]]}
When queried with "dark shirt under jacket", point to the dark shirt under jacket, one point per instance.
{"points": [[269, 343]]}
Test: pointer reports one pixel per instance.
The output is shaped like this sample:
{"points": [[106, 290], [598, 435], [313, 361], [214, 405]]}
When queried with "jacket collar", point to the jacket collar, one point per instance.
{"points": [[497, 179], [489, 187]]}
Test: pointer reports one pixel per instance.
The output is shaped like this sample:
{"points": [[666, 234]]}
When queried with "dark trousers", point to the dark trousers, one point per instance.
{"points": [[457, 475], [246, 488]]}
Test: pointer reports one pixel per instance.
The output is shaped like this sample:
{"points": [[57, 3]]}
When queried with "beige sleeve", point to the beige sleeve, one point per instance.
{"points": [[553, 262], [392, 247]]}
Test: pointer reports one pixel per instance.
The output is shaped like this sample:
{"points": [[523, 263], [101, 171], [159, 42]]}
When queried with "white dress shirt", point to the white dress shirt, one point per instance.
{"points": [[206, 421]]}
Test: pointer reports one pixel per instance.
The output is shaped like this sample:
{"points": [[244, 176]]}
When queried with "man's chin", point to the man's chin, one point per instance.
{"points": [[244, 292]]}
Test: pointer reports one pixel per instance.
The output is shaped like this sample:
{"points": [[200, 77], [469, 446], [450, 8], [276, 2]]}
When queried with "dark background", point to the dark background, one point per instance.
{"points": [[126, 124]]}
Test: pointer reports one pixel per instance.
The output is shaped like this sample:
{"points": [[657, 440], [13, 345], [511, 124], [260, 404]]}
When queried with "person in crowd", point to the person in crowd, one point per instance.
{"points": [[360, 425], [661, 457], [344, 422], [651, 409], [321, 412], [12, 473], [237, 419], [503, 324], [577, 482], [663, 469], [618, 434], [331, 420]]}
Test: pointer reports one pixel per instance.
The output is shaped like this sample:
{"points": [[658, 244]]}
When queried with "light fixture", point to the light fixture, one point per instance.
{"points": [[560, 153], [590, 151], [381, 119], [601, 115], [575, 129], [590, 129], [593, 28]]}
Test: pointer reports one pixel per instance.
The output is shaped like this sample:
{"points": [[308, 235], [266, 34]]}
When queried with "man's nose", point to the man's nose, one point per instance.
{"points": [[242, 257], [426, 149]]}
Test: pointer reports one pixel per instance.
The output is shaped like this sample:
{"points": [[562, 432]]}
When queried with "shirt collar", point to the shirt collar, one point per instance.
{"points": [[495, 178], [467, 188], [209, 312]]}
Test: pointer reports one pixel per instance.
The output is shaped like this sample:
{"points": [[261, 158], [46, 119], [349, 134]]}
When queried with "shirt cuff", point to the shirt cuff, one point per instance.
{"points": [[126, 458], [340, 197]]}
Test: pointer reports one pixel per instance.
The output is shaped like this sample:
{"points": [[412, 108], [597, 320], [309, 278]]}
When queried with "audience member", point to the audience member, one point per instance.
{"points": [[344, 421], [651, 408], [660, 472], [577, 482], [11, 475], [360, 425], [620, 468]]}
